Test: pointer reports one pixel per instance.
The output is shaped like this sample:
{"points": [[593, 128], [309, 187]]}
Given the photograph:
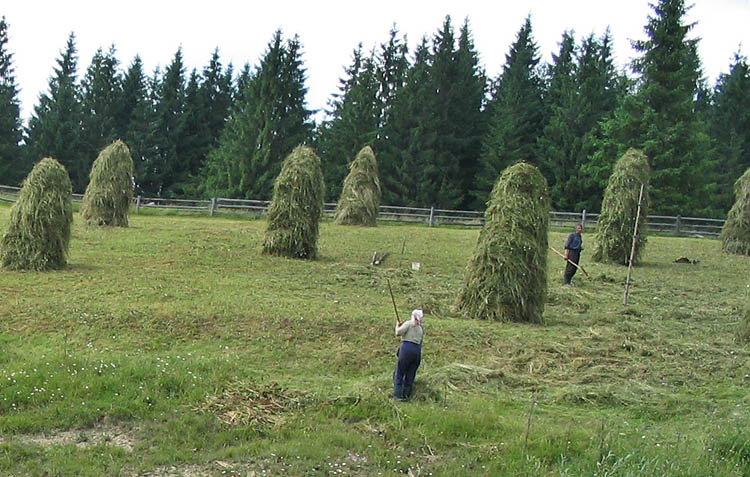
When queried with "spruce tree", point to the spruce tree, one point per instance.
{"points": [[352, 121], [272, 120], [12, 166], [516, 114], [101, 90], [55, 125]]}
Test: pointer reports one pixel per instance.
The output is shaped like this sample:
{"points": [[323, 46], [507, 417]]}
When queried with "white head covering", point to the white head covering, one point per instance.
{"points": [[416, 316]]}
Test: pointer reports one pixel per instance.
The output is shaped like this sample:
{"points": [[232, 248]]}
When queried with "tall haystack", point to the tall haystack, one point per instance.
{"points": [[360, 198], [613, 240], [296, 207], [38, 233], [506, 279], [735, 235], [110, 190]]}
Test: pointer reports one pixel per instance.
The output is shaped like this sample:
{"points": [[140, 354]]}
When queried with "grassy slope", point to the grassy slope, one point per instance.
{"points": [[161, 330]]}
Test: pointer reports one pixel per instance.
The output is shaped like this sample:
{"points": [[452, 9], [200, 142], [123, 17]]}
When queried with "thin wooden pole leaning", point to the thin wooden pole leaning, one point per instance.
{"points": [[632, 249]]}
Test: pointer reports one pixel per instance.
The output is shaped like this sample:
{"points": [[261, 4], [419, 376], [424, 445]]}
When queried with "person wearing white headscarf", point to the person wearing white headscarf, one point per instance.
{"points": [[409, 354]]}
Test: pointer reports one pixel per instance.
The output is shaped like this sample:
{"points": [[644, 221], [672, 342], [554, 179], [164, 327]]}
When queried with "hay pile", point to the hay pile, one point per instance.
{"points": [[38, 233], [360, 198], [506, 279], [296, 207], [735, 235], [110, 190], [613, 240]]}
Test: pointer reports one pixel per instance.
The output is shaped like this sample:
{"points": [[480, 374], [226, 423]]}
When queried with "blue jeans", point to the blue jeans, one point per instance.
{"points": [[409, 357]]}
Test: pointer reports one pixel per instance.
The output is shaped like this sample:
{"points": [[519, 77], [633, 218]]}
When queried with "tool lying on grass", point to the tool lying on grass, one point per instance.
{"points": [[570, 261]]}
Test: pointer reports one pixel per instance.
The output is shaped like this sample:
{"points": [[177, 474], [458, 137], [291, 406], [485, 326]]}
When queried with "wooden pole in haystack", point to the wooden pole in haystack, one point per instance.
{"points": [[632, 250]]}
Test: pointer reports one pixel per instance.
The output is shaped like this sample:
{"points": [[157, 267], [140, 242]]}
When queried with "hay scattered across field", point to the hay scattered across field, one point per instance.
{"points": [[360, 197], [613, 240], [506, 279], [735, 235], [110, 190], [38, 233], [296, 207]]}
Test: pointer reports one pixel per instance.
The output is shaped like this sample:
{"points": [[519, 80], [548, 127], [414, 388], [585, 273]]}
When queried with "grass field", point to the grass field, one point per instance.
{"points": [[174, 347]]}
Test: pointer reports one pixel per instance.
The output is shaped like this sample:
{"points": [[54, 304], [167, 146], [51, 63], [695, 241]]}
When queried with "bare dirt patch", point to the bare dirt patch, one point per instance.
{"points": [[108, 434]]}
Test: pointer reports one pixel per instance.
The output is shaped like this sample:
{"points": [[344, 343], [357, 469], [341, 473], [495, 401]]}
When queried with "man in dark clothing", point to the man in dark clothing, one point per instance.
{"points": [[573, 248]]}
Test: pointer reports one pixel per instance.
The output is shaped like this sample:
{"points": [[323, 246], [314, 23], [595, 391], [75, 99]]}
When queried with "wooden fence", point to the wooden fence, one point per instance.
{"points": [[685, 226]]}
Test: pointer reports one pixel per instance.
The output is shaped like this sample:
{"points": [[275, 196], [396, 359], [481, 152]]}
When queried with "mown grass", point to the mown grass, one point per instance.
{"points": [[180, 337]]}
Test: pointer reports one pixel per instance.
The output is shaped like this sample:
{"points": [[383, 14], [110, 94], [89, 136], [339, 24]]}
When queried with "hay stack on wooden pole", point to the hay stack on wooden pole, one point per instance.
{"points": [[296, 207], [506, 279], [735, 235], [613, 240], [359, 203], [110, 190], [38, 233]]}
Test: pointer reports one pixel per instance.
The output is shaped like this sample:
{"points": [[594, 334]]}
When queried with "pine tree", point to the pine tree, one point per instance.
{"points": [[272, 121], [660, 118], [101, 88], [516, 114], [352, 121], [55, 125], [730, 130], [12, 166]]}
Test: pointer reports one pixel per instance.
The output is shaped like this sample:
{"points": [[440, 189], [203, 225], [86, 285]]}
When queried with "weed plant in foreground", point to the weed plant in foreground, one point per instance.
{"points": [[196, 354]]}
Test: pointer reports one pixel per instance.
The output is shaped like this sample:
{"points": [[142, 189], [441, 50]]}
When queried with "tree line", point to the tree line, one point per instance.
{"points": [[441, 129]]}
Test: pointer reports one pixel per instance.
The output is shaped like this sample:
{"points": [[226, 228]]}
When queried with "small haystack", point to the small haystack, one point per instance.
{"points": [[110, 190], [506, 279], [360, 198], [38, 233], [735, 235], [296, 207], [613, 240]]}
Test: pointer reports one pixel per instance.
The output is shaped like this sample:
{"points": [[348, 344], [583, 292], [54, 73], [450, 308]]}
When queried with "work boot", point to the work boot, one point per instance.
{"points": [[398, 392], [407, 392]]}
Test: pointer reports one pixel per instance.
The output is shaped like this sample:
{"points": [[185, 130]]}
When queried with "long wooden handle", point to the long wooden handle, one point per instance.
{"points": [[393, 300], [570, 261]]}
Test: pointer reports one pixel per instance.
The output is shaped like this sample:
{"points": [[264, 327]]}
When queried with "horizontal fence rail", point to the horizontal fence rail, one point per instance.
{"points": [[686, 226]]}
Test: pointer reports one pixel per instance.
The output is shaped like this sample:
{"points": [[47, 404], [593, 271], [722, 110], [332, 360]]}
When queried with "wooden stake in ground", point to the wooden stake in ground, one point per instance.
{"points": [[632, 250], [570, 261]]}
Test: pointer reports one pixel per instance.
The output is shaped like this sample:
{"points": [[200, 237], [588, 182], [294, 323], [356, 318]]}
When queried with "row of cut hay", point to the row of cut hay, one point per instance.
{"points": [[359, 202], [735, 235], [38, 233], [614, 229], [506, 279]]}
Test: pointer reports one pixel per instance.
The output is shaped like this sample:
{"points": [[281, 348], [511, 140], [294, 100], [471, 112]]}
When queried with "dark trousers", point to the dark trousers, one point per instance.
{"points": [[409, 357], [571, 269]]}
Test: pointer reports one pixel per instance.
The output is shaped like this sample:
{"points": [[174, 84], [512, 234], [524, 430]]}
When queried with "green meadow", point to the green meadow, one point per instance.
{"points": [[174, 347]]}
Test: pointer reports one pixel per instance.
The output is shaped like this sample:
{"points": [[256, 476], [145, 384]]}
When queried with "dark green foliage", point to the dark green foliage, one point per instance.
{"points": [[614, 229], [353, 121], [12, 164], [359, 203], [272, 120], [516, 114], [110, 190], [296, 207], [506, 279], [735, 235], [101, 90], [38, 233], [55, 125]]}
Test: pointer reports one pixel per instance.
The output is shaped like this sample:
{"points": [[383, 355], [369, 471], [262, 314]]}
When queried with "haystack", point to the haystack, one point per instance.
{"points": [[110, 190], [296, 207], [360, 198], [613, 240], [506, 279], [38, 233], [735, 235]]}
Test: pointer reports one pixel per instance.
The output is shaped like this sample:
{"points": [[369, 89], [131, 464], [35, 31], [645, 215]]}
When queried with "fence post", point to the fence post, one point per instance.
{"points": [[432, 214], [213, 207], [677, 225], [137, 204], [583, 218]]}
